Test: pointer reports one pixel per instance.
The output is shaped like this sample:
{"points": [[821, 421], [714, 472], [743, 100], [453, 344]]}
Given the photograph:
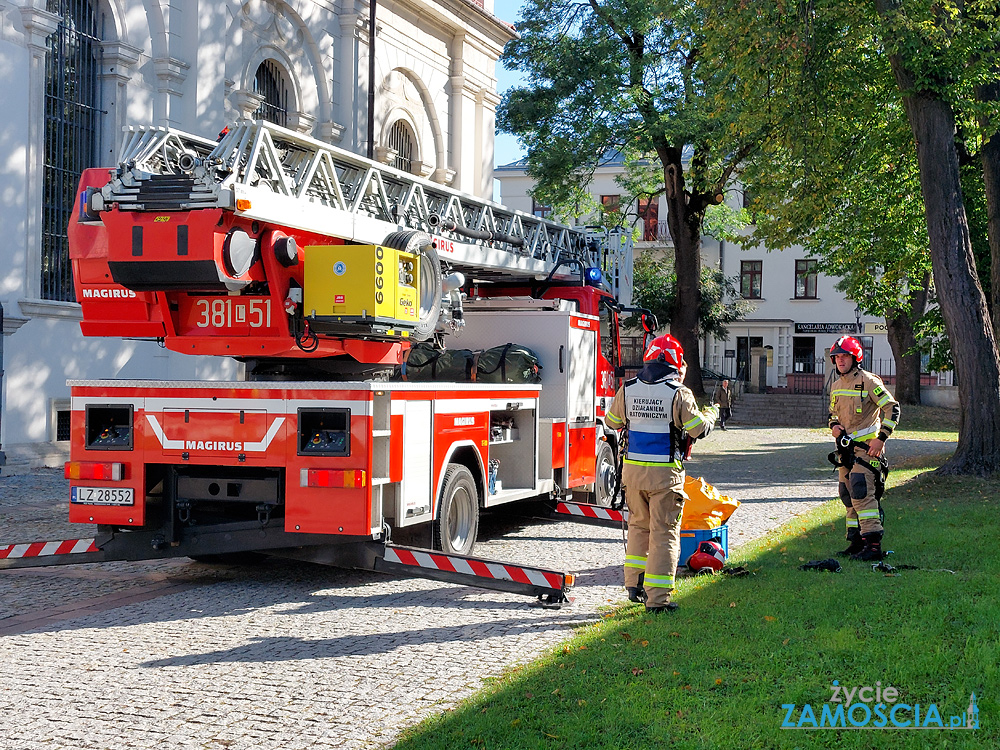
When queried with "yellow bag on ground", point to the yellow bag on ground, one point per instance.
{"points": [[705, 508]]}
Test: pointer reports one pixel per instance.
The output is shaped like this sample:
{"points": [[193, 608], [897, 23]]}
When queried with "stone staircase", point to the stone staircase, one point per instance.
{"points": [[780, 409]]}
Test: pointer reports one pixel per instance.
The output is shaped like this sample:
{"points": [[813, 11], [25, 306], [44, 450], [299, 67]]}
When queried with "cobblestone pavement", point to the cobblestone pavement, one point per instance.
{"points": [[179, 654]]}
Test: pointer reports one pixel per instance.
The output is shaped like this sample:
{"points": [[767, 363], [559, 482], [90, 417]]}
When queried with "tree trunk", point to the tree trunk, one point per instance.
{"points": [[899, 330], [990, 156], [963, 304], [685, 231]]}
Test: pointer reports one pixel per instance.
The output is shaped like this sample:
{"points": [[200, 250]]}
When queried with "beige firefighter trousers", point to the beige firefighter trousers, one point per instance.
{"points": [[654, 539], [858, 487]]}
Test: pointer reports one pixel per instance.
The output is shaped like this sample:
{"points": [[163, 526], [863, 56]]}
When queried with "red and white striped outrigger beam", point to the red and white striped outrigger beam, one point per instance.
{"points": [[11, 553], [471, 571], [593, 514]]}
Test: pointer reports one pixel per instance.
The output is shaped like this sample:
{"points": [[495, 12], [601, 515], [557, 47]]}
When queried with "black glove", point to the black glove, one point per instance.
{"points": [[830, 565]]}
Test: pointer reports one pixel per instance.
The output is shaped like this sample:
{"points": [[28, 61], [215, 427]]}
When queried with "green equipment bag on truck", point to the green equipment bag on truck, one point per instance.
{"points": [[510, 363]]}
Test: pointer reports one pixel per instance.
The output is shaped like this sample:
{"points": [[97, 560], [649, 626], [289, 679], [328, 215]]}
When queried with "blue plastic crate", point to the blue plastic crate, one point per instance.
{"points": [[691, 538]]}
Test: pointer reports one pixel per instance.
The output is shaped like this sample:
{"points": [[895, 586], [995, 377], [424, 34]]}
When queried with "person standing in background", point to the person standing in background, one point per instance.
{"points": [[723, 398]]}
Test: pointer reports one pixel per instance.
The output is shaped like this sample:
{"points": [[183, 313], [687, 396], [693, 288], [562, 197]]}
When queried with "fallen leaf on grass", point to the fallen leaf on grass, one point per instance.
{"points": [[718, 680], [785, 642], [626, 636], [516, 723], [732, 604], [553, 736], [636, 671], [675, 635], [581, 702], [769, 618], [644, 643]]}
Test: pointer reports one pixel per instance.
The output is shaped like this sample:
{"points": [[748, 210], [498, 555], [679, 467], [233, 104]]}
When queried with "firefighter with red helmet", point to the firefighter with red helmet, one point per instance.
{"points": [[863, 415], [661, 419]]}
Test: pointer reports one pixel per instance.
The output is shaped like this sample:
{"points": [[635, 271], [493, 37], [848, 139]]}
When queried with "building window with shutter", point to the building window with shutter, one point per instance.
{"points": [[73, 111], [649, 213], [270, 82], [751, 272], [806, 274]]}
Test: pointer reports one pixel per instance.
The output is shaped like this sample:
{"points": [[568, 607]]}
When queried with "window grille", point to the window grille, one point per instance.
{"points": [[401, 141], [72, 133], [269, 82], [62, 425]]}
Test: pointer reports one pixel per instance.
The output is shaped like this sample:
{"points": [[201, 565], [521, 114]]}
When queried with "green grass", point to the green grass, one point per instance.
{"points": [[716, 673]]}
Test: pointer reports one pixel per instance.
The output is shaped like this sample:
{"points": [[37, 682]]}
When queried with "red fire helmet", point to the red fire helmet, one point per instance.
{"points": [[664, 348], [848, 345], [708, 556]]}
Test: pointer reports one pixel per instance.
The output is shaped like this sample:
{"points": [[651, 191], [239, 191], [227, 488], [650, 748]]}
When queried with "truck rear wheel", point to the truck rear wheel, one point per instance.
{"points": [[457, 524], [429, 283]]}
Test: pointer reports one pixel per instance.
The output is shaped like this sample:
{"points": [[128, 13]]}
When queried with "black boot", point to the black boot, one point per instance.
{"points": [[637, 593], [872, 551], [855, 543]]}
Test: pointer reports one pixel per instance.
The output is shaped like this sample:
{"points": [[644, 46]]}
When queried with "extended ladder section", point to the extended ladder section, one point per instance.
{"points": [[270, 174]]}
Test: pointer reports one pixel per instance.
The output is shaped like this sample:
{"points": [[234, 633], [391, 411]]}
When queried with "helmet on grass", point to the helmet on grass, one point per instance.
{"points": [[708, 556], [664, 348]]}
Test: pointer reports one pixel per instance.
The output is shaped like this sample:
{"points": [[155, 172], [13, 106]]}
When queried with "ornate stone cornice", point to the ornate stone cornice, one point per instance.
{"points": [[38, 25], [171, 73]]}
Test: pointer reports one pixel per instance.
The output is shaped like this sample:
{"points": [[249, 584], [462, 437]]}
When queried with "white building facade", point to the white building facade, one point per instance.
{"points": [[75, 72], [798, 316]]}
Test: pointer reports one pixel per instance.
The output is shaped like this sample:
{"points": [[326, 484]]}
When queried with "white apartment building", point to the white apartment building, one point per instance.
{"points": [[798, 316], [76, 71]]}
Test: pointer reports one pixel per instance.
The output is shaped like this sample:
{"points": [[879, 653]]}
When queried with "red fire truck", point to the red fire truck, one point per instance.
{"points": [[320, 271]]}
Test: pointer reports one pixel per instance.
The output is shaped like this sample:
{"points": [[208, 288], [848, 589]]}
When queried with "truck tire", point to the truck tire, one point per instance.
{"points": [[457, 524], [605, 479], [429, 283]]}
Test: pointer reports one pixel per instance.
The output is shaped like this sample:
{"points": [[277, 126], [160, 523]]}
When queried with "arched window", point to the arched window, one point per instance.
{"points": [[401, 141], [271, 83], [73, 112]]}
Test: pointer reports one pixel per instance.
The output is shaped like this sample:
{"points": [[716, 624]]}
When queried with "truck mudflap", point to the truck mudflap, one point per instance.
{"points": [[549, 586], [592, 514]]}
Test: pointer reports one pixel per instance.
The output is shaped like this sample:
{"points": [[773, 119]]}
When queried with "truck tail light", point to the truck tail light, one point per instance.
{"points": [[94, 470], [333, 478]]}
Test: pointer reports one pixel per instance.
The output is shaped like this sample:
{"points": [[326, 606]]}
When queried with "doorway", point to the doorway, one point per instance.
{"points": [[743, 346]]}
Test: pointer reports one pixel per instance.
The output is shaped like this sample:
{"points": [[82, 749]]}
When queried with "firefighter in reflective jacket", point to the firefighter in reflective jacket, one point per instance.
{"points": [[661, 417], [863, 411]]}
